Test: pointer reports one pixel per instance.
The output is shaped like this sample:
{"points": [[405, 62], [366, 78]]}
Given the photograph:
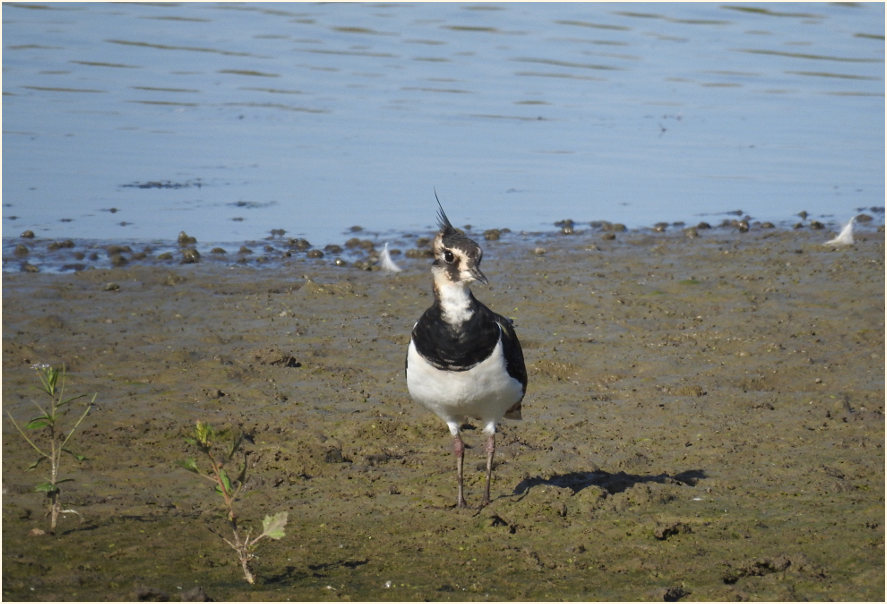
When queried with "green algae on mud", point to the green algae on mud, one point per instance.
{"points": [[705, 420]]}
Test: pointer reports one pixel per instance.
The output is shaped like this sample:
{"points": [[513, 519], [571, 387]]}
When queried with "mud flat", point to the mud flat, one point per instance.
{"points": [[705, 421]]}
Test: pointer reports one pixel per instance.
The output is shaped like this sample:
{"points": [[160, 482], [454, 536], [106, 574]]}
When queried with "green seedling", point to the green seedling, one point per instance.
{"points": [[49, 438], [220, 457]]}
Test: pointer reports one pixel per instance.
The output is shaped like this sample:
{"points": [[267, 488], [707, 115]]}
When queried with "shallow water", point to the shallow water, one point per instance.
{"points": [[136, 121]]}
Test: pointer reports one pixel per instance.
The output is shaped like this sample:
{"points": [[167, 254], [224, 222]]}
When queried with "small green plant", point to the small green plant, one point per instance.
{"points": [[206, 440], [49, 438]]}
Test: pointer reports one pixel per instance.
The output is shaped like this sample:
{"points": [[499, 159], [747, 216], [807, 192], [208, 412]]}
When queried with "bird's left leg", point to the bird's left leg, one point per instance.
{"points": [[491, 450]]}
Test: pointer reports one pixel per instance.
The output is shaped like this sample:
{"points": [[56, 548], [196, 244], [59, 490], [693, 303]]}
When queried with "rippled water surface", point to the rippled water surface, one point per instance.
{"points": [[136, 121]]}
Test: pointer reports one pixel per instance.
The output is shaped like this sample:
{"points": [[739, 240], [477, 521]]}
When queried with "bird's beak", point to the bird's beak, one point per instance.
{"points": [[477, 275]]}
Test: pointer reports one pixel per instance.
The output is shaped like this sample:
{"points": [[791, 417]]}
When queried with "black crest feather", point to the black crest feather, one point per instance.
{"points": [[442, 221]]}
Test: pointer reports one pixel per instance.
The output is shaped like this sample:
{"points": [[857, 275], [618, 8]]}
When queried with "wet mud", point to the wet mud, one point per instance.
{"points": [[704, 421]]}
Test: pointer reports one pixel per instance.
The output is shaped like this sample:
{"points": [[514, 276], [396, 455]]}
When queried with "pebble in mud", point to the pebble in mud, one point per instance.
{"points": [[567, 226], [21, 250], [190, 255], [58, 245], [298, 245], [605, 225]]}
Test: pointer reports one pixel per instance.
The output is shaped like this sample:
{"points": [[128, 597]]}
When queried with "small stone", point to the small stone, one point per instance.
{"points": [[57, 245], [190, 255], [298, 245], [36, 532], [186, 239], [566, 226], [663, 532], [21, 250], [111, 286], [29, 234]]}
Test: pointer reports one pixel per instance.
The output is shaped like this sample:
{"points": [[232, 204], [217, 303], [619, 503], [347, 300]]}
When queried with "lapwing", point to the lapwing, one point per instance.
{"points": [[464, 360]]}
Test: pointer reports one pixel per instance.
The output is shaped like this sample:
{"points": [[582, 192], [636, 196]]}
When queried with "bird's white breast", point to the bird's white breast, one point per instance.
{"points": [[485, 391]]}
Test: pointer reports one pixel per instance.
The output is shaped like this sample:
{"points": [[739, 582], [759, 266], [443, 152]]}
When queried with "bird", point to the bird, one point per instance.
{"points": [[845, 237], [464, 360]]}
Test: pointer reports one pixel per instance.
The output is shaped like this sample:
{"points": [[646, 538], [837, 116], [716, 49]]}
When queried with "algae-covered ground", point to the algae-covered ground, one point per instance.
{"points": [[704, 421]]}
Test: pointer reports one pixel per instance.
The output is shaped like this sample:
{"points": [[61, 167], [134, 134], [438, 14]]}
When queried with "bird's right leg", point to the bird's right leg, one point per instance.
{"points": [[459, 452]]}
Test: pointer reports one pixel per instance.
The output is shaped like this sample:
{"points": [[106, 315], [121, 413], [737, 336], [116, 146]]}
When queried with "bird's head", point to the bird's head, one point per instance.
{"points": [[456, 257]]}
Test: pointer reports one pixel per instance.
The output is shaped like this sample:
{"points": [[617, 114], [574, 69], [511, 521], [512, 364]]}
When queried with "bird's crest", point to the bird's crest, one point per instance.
{"points": [[446, 228]]}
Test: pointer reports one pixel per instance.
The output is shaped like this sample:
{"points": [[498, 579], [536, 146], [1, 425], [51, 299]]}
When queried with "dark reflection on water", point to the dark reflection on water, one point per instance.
{"points": [[520, 114]]}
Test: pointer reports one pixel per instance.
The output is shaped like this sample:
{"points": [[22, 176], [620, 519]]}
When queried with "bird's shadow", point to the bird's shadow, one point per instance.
{"points": [[612, 483]]}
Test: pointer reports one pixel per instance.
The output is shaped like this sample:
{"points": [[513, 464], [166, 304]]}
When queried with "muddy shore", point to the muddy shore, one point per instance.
{"points": [[704, 421]]}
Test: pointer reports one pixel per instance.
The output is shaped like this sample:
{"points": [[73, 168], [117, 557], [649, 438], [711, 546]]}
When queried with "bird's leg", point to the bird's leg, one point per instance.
{"points": [[459, 452], [491, 449]]}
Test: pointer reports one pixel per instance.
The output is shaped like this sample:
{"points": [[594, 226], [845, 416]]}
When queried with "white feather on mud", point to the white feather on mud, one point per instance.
{"points": [[386, 262], [845, 237]]}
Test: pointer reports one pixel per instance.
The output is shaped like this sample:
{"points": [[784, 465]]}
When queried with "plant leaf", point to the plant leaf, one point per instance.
{"points": [[69, 400], [189, 464], [45, 487], [35, 464], [203, 433], [38, 422], [225, 481], [76, 456], [272, 526]]}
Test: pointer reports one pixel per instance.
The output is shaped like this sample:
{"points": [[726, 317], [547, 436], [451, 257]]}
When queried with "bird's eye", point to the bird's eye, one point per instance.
{"points": [[448, 256]]}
